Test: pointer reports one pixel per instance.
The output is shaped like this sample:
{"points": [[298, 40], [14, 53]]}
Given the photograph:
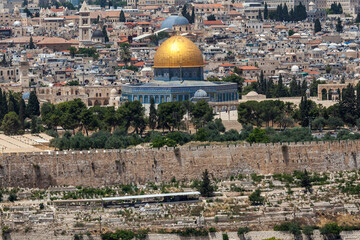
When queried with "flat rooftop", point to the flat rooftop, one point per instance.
{"points": [[24, 143]]}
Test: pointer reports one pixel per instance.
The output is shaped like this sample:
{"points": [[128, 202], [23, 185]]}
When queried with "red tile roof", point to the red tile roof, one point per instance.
{"points": [[249, 68], [227, 65], [213, 23]]}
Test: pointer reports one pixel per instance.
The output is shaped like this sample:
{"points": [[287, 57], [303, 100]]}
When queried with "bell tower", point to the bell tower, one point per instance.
{"points": [[85, 30], [24, 71]]}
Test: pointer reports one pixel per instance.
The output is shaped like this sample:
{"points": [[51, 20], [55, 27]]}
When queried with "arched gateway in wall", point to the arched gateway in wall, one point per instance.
{"points": [[330, 91]]}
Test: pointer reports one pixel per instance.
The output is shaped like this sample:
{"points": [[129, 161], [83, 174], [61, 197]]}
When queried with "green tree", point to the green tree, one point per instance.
{"points": [[88, 121], [294, 88], [319, 123], [4, 62], [13, 104], [306, 181], [34, 125], [132, 114], [266, 11], [260, 15], [152, 114], [122, 16], [206, 189], [192, 16], [317, 26], [170, 115], [250, 113], [304, 109], [125, 53], [211, 17], [258, 136], [255, 198], [281, 89], [285, 13], [339, 27], [328, 68], [11, 124], [225, 236], [105, 34], [348, 105], [335, 122], [31, 43], [70, 113], [73, 51], [331, 231], [201, 114], [291, 32], [22, 113], [12, 197], [28, 14], [33, 107], [357, 19], [49, 116], [235, 79]]}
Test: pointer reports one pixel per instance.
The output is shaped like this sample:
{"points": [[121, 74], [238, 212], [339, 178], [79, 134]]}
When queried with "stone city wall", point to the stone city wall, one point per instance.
{"points": [[110, 167]]}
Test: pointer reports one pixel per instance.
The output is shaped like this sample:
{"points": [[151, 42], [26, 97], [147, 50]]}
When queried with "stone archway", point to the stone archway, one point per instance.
{"points": [[326, 88]]}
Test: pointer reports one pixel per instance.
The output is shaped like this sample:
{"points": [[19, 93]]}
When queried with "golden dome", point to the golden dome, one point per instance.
{"points": [[178, 52]]}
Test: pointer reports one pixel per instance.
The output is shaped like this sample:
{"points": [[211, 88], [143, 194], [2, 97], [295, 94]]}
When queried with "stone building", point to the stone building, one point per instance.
{"points": [[90, 95]]}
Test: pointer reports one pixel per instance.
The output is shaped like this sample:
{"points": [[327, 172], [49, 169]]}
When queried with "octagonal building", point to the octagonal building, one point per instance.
{"points": [[178, 75]]}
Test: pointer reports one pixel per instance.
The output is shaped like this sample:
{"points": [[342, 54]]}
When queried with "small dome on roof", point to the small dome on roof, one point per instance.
{"points": [[97, 34], [17, 24], [295, 68], [252, 93], [171, 21], [26, 95], [200, 94]]}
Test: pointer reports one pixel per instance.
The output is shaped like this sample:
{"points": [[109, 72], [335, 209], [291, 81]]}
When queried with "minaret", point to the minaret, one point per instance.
{"points": [[85, 30], [24, 71]]}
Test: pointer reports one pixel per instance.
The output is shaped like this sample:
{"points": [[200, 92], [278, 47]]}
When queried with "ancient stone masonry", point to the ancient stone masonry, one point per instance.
{"points": [[112, 167]]}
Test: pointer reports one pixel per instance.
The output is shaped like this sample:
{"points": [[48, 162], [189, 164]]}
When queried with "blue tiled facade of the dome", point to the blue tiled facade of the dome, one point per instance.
{"points": [[169, 22]]}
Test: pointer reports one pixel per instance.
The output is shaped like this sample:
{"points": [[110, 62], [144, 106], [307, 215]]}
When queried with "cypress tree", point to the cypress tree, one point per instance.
{"points": [[266, 11], [259, 15], [33, 107], [13, 105], [2, 113], [192, 15], [31, 43], [33, 126], [339, 8], [105, 34], [269, 87], [357, 20], [291, 15], [348, 105], [358, 100], [4, 104], [303, 87], [122, 16], [206, 189], [152, 114], [293, 88], [304, 111], [279, 13], [306, 181], [285, 13], [339, 27], [22, 113], [262, 83], [317, 26], [281, 91]]}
